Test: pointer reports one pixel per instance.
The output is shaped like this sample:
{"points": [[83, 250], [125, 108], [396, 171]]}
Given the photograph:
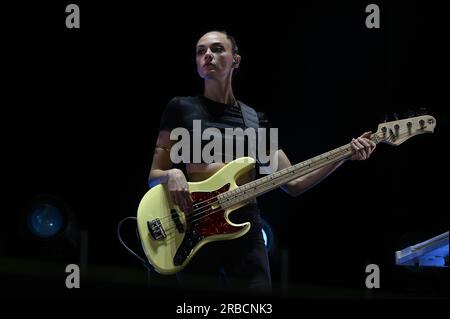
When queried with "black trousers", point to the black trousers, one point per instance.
{"points": [[239, 264]]}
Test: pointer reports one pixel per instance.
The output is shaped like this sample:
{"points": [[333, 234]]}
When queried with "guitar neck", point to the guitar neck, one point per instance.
{"points": [[265, 184]]}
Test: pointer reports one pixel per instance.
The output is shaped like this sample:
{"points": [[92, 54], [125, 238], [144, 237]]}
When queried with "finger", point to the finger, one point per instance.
{"points": [[370, 149], [353, 145], [355, 150], [183, 202], [366, 134], [173, 197], [185, 207], [186, 194], [176, 199], [188, 200], [364, 154], [370, 146], [358, 144], [364, 143]]}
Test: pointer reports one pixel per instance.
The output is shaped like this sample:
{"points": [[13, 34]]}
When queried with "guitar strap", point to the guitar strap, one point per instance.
{"points": [[249, 116], [251, 120]]}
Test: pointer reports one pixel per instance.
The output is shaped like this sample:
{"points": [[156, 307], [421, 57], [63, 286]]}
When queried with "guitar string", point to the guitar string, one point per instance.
{"points": [[345, 148], [201, 213], [207, 201], [192, 216], [170, 232]]}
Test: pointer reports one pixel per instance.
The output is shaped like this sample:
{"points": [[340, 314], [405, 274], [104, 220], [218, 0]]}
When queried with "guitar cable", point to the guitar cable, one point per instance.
{"points": [[144, 262]]}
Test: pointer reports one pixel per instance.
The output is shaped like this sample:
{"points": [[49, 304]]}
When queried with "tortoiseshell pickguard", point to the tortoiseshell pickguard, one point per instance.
{"points": [[211, 221]]}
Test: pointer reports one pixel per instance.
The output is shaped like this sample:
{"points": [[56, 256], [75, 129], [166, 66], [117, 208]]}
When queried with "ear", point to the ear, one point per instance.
{"points": [[236, 61]]}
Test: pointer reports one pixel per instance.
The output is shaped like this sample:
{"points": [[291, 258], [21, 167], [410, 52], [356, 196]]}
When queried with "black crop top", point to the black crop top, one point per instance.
{"points": [[182, 111]]}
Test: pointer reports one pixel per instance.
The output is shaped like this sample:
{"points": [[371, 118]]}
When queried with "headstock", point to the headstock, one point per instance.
{"points": [[396, 132]]}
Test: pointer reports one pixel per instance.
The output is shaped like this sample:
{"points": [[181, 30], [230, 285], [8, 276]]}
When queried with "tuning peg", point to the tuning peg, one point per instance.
{"points": [[408, 114], [422, 111], [396, 116]]}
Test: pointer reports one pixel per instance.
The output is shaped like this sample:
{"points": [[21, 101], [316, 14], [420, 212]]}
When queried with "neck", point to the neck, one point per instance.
{"points": [[260, 186], [219, 91]]}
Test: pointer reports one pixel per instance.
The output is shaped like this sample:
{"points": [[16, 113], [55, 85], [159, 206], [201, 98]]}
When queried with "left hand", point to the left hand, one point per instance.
{"points": [[362, 147]]}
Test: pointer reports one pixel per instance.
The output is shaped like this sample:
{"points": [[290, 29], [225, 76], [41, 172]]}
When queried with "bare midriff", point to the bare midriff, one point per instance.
{"points": [[200, 172]]}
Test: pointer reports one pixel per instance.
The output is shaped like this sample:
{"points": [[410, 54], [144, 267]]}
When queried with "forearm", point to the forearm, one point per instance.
{"points": [[158, 176], [303, 183]]}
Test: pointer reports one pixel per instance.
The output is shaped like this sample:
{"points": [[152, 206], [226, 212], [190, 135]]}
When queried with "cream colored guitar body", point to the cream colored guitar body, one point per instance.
{"points": [[170, 241]]}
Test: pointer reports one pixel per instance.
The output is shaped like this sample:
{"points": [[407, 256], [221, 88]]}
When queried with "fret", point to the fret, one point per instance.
{"points": [[267, 183]]}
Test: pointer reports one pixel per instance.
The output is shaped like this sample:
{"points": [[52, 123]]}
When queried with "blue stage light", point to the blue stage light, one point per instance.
{"points": [[264, 237], [45, 220], [429, 253], [267, 234]]}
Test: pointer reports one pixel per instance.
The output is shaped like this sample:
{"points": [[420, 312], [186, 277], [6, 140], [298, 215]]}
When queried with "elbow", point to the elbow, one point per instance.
{"points": [[294, 189], [292, 194], [295, 193]]}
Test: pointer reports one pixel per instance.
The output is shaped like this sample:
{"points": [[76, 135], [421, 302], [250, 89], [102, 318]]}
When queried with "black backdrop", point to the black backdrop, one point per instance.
{"points": [[81, 110]]}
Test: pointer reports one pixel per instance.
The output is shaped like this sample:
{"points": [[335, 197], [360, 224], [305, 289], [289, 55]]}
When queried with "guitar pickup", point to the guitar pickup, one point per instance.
{"points": [[156, 229], [177, 221]]}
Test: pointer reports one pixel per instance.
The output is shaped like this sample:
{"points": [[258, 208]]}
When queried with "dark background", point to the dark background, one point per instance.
{"points": [[81, 110]]}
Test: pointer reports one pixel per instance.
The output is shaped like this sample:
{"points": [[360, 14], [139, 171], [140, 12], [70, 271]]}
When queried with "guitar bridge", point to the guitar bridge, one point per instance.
{"points": [[156, 229]]}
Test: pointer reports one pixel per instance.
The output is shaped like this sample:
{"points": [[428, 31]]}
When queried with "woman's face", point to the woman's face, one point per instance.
{"points": [[214, 56]]}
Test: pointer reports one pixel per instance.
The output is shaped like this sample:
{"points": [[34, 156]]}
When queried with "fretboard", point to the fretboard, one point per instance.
{"points": [[267, 183]]}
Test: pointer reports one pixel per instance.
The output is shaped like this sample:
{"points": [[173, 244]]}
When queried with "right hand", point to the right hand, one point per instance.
{"points": [[178, 188]]}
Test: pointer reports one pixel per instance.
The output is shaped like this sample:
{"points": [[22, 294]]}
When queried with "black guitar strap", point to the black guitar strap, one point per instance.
{"points": [[251, 120], [249, 116]]}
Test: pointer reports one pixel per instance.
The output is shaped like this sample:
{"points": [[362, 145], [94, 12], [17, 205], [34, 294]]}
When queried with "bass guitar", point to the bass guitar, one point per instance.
{"points": [[171, 238]]}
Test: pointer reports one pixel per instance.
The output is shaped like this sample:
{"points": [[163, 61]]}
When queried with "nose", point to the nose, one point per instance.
{"points": [[208, 55]]}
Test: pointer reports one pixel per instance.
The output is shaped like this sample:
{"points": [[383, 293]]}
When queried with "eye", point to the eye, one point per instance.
{"points": [[219, 49]]}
